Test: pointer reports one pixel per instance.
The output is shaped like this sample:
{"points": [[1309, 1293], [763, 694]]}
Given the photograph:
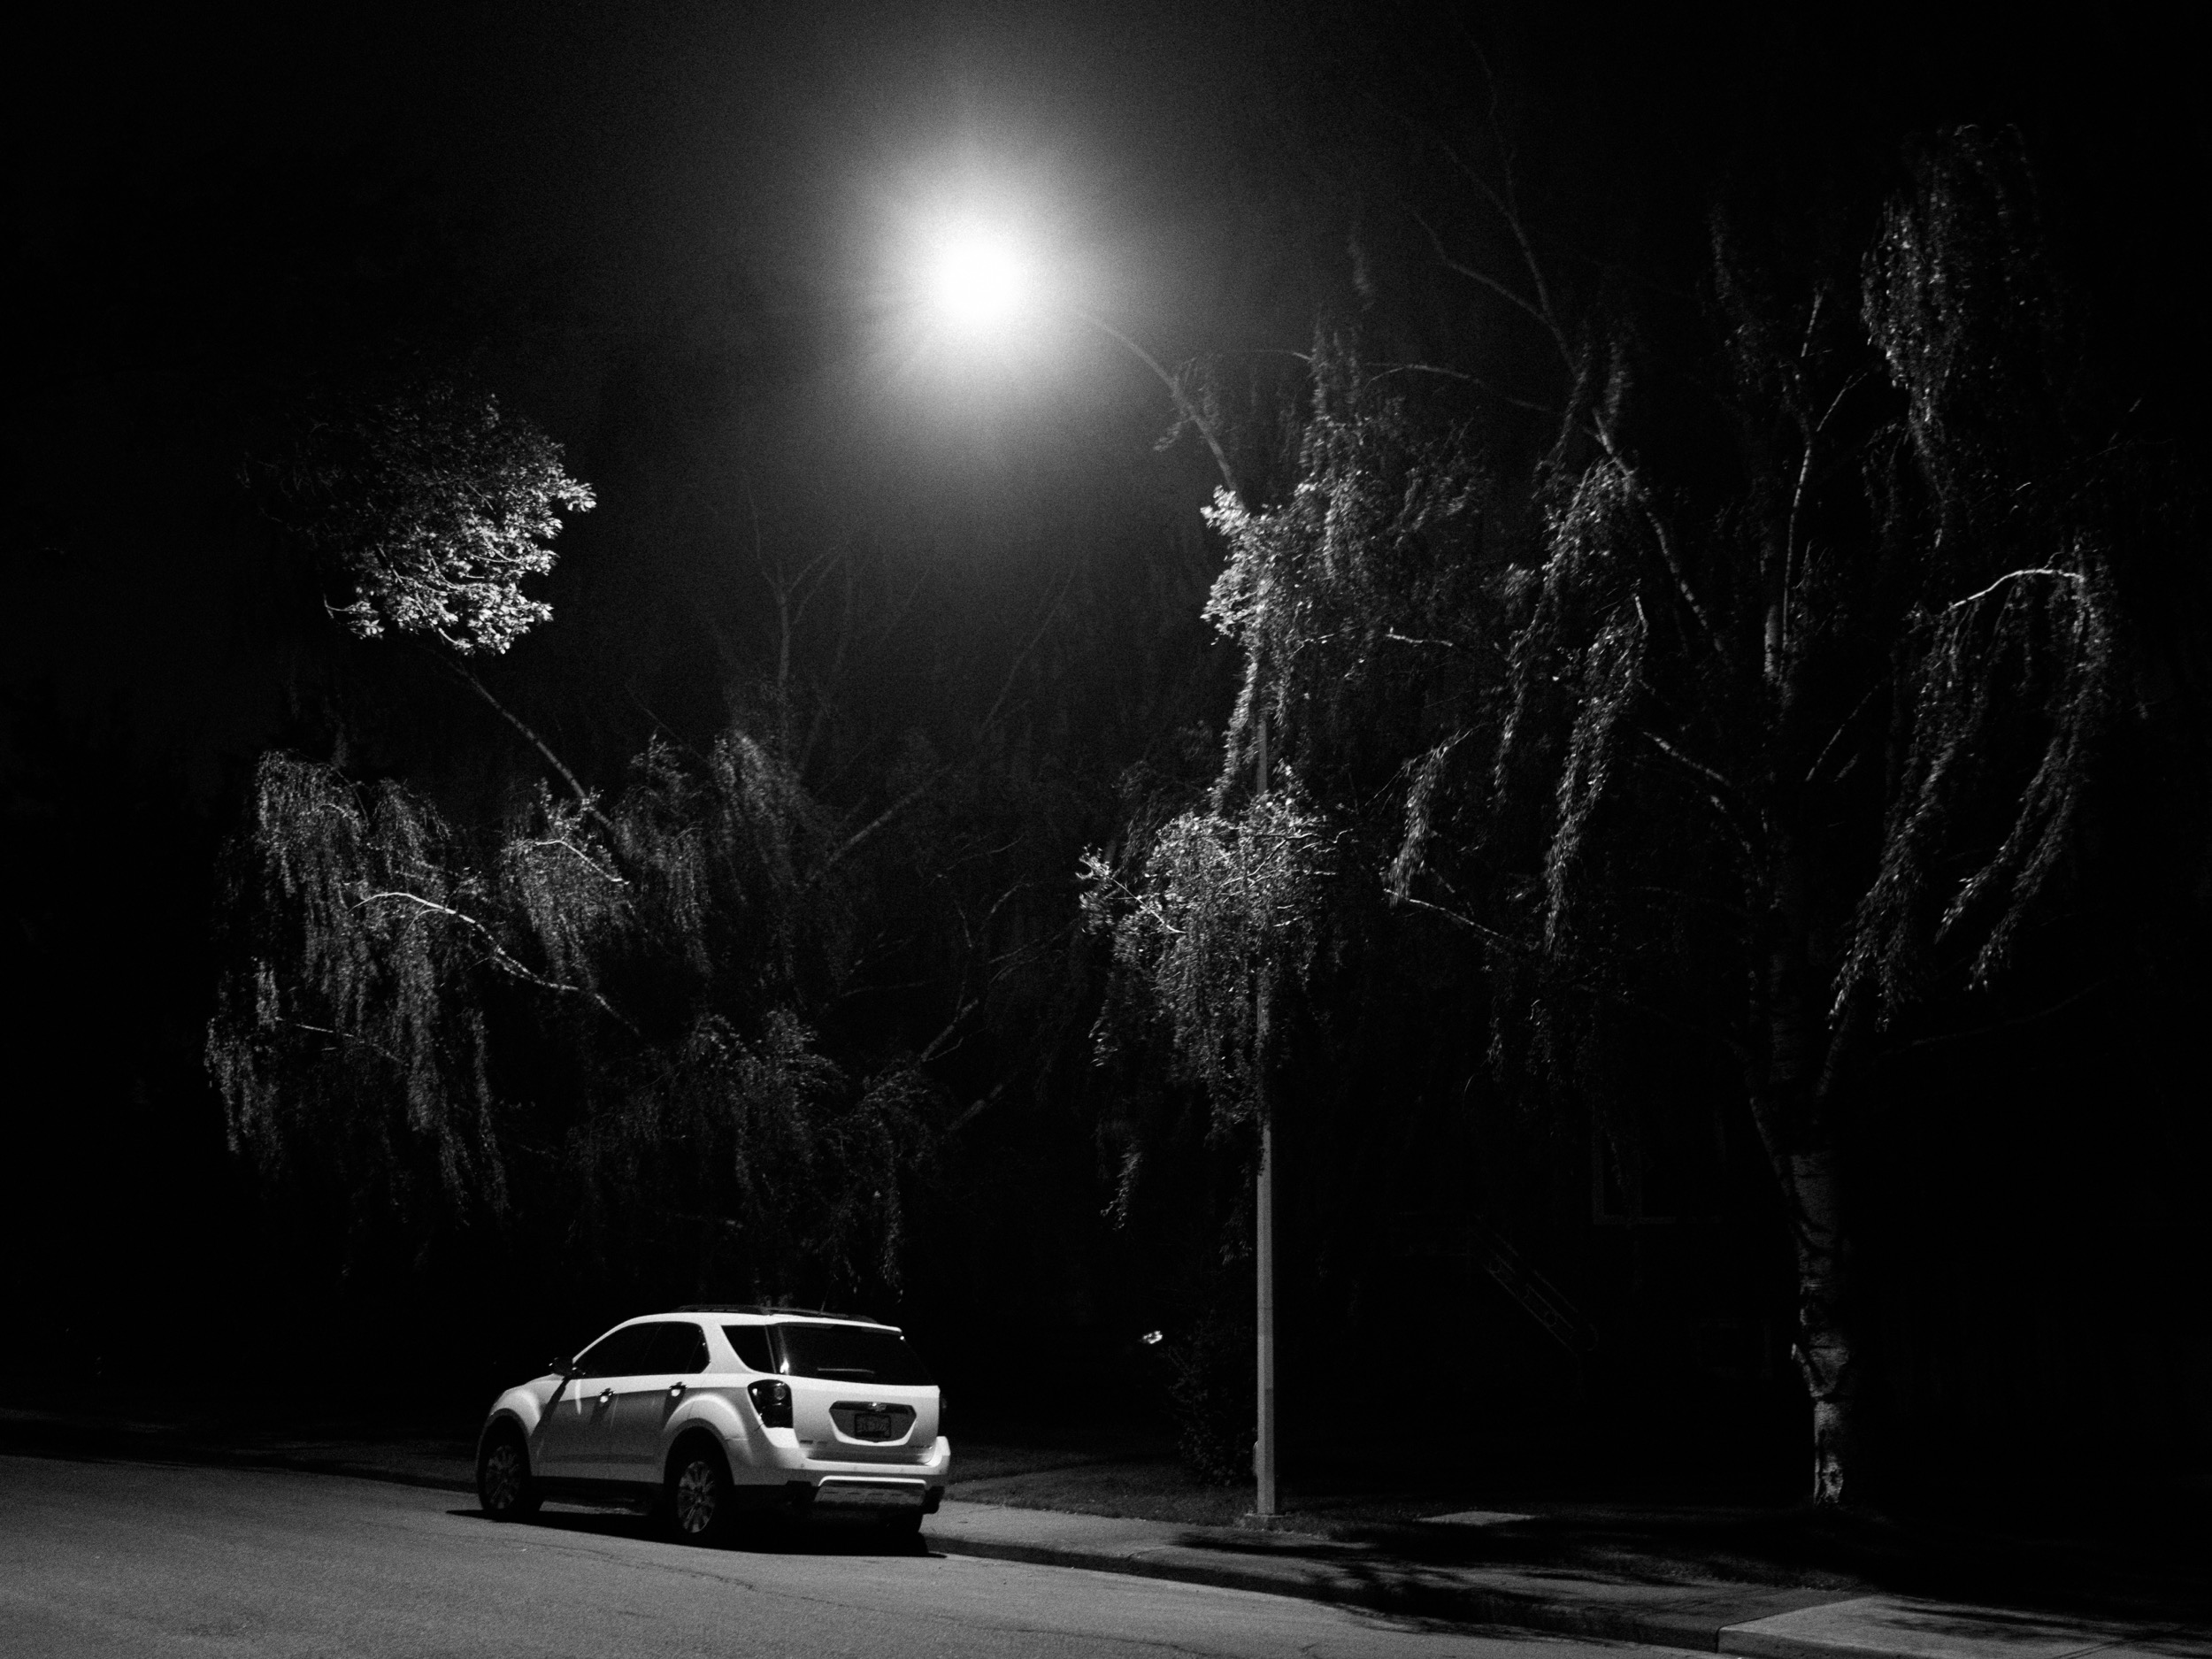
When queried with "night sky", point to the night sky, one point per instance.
{"points": [[603, 175], [756, 179]]}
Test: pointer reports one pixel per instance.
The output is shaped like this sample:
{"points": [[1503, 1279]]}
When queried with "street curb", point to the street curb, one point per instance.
{"points": [[1404, 1593], [224, 1457]]}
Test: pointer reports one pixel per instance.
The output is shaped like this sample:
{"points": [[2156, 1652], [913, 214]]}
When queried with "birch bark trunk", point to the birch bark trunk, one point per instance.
{"points": [[1826, 1352], [1790, 1083], [1808, 1170]]}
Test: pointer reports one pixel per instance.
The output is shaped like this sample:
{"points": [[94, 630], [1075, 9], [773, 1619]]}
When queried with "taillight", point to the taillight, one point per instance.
{"points": [[944, 1407], [773, 1400]]}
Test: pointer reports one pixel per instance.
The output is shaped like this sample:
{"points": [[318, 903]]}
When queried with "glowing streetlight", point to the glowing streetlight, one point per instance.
{"points": [[979, 279]]}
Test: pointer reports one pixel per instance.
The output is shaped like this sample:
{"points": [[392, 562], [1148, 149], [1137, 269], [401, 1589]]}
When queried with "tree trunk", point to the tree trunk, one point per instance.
{"points": [[1825, 1349], [1826, 1352], [1789, 1084]]}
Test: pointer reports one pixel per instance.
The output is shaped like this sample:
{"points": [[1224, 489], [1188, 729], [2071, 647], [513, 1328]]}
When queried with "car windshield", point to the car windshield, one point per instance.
{"points": [[847, 1353]]}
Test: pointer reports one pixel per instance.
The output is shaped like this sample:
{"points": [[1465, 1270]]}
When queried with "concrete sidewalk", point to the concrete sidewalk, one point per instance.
{"points": [[1904, 1627], [1707, 1617], [1760, 1623]]}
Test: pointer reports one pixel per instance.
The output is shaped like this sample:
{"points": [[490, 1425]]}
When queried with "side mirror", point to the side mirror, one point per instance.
{"points": [[562, 1366]]}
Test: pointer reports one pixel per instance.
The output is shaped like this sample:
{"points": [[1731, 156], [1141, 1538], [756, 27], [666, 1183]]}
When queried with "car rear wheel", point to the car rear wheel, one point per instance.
{"points": [[903, 1522], [503, 1486], [700, 1502]]}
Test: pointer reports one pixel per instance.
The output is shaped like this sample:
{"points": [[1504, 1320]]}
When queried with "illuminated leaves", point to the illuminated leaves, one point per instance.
{"points": [[438, 507], [1223, 904]]}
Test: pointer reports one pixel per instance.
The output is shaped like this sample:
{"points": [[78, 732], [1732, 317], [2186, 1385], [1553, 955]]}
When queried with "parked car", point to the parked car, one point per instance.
{"points": [[719, 1411]]}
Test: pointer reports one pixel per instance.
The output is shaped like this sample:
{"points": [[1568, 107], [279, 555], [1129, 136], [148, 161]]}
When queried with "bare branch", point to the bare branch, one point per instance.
{"points": [[1843, 725], [1384, 370], [499, 955], [1183, 405], [1484, 278], [2044, 1012], [467, 677], [2013, 576], [1734, 811]]}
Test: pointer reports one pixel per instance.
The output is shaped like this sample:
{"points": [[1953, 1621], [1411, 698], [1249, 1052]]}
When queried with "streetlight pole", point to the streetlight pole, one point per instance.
{"points": [[1265, 1496]]}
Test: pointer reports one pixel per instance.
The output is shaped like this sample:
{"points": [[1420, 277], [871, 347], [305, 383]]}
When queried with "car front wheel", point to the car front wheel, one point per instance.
{"points": [[699, 1503], [503, 1486]]}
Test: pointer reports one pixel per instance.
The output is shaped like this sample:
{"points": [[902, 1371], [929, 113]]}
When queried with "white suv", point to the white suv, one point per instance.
{"points": [[719, 1410]]}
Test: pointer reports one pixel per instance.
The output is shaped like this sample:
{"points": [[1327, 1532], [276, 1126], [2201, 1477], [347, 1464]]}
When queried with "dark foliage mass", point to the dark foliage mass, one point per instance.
{"points": [[1775, 757], [593, 1027]]}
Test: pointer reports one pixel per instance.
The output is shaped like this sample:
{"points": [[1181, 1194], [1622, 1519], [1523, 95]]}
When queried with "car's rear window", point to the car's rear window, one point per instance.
{"points": [[750, 1342], [849, 1353]]}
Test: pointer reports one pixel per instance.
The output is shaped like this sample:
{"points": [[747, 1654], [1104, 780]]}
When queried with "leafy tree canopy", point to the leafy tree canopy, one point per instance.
{"points": [[437, 506]]}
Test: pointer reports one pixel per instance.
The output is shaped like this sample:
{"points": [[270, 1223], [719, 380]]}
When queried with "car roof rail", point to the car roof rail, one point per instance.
{"points": [[774, 1309]]}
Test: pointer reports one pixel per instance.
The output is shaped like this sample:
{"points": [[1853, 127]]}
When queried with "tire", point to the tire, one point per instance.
{"points": [[700, 1507], [903, 1524], [503, 1484]]}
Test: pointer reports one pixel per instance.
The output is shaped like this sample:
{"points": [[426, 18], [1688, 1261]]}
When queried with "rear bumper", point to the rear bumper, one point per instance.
{"points": [[871, 1492], [789, 1470], [843, 1495]]}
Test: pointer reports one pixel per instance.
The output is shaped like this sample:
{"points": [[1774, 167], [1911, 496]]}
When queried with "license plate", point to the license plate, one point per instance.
{"points": [[872, 1425]]}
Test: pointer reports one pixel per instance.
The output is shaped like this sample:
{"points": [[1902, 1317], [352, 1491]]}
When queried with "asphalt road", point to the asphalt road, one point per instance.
{"points": [[116, 1558]]}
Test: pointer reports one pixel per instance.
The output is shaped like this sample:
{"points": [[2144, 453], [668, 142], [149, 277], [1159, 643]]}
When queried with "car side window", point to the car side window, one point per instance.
{"points": [[616, 1353], [751, 1343], [678, 1348]]}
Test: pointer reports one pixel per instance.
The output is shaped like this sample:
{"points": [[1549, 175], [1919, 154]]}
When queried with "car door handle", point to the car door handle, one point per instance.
{"points": [[676, 1390], [606, 1396]]}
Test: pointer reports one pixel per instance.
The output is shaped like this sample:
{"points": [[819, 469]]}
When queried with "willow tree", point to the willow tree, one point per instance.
{"points": [[1341, 599], [1784, 755], [594, 1024], [1779, 745], [596, 1018]]}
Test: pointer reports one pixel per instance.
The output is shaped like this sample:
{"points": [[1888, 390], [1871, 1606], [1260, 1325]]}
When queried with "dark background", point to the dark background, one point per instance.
{"points": [[671, 234]]}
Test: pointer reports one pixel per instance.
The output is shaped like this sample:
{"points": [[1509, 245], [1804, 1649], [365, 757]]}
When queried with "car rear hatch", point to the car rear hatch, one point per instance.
{"points": [[859, 1394]]}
